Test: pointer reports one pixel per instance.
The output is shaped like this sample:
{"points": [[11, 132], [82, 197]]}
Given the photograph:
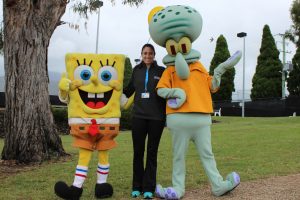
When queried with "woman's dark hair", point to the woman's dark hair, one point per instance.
{"points": [[148, 45]]}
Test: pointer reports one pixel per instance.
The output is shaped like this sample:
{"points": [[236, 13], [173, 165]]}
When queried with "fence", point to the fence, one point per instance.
{"points": [[261, 108]]}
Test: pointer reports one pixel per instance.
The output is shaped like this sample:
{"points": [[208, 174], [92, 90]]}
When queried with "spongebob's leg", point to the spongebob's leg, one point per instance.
{"points": [[82, 167], [102, 188], [103, 167], [75, 190]]}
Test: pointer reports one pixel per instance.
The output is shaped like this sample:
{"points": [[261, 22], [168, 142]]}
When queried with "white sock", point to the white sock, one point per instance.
{"points": [[80, 176], [102, 173]]}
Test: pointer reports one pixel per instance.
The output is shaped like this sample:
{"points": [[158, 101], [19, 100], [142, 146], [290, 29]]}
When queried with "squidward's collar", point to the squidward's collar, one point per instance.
{"points": [[192, 66]]}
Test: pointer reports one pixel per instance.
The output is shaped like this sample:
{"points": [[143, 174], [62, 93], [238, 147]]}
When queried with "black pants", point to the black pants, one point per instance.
{"points": [[144, 179]]}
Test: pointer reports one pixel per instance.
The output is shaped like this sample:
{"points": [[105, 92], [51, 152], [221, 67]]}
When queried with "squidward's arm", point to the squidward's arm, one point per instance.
{"points": [[223, 67]]}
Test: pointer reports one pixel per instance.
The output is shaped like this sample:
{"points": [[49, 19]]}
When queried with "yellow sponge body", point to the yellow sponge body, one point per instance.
{"points": [[78, 107]]}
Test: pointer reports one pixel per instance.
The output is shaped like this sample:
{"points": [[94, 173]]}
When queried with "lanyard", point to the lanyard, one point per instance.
{"points": [[146, 79]]}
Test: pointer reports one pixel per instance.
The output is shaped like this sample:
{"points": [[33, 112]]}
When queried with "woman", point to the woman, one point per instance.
{"points": [[148, 119]]}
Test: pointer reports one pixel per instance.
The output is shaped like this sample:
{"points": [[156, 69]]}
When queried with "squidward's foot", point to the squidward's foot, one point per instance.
{"points": [[231, 182], [234, 179], [160, 191], [171, 194]]}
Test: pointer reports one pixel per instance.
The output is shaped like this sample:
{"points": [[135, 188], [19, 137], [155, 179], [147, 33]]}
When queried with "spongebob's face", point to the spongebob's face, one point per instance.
{"points": [[97, 82]]}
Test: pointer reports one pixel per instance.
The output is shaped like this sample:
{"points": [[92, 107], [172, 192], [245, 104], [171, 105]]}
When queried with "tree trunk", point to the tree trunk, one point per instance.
{"points": [[30, 132]]}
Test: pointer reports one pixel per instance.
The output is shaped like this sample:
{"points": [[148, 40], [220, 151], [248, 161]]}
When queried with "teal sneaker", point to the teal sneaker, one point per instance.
{"points": [[148, 195], [135, 194]]}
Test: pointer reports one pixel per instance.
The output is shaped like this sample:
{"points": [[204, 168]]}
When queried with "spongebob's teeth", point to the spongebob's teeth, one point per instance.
{"points": [[91, 95], [100, 95]]}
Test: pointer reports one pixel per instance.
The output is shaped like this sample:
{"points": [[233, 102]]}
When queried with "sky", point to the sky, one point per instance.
{"points": [[124, 30]]}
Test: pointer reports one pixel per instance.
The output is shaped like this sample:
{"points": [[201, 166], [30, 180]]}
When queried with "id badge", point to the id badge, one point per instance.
{"points": [[145, 95]]}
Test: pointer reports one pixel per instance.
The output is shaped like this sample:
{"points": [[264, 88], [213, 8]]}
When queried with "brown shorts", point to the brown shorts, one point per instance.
{"points": [[104, 140]]}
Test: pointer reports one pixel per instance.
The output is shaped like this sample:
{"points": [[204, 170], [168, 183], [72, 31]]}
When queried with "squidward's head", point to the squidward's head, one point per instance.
{"points": [[175, 28]]}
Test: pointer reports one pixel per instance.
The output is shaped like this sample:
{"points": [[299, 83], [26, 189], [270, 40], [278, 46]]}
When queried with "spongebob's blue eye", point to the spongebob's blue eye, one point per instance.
{"points": [[85, 75], [106, 75]]}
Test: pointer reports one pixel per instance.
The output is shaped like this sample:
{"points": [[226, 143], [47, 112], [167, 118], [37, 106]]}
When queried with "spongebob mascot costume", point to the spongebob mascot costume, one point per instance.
{"points": [[187, 87], [92, 88]]}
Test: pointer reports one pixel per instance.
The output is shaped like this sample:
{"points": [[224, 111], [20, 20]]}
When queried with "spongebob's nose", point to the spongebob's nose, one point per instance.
{"points": [[94, 80]]}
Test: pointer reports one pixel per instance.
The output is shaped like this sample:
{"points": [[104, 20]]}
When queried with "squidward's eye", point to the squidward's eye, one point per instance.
{"points": [[184, 45], [106, 74], [83, 73], [172, 47]]}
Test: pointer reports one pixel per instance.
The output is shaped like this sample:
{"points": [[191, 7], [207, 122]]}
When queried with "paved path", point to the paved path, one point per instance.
{"points": [[276, 188]]}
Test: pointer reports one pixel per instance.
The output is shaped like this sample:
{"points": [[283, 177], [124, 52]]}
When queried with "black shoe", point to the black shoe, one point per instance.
{"points": [[64, 191], [103, 190]]}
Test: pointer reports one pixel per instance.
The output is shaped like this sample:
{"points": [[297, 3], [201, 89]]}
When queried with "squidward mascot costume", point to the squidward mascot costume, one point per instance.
{"points": [[187, 87]]}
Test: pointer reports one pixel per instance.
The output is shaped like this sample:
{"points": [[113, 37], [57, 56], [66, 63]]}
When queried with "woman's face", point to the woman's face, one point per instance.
{"points": [[147, 55]]}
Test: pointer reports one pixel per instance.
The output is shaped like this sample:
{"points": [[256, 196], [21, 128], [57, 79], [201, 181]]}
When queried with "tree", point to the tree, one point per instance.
{"points": [[125, 121], [293, 81], [227, 80], [266, 82], [294, 33], [30, 132]]}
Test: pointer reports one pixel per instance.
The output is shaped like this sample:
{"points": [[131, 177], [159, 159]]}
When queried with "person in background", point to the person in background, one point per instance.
{"points": [[148, 119]]}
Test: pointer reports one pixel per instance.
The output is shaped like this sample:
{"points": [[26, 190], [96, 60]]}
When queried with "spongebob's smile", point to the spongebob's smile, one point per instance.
{"points": [[95, 100]]}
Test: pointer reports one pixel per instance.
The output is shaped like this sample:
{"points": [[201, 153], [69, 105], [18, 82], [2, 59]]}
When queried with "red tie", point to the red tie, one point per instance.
{"points": [[93, 129]]}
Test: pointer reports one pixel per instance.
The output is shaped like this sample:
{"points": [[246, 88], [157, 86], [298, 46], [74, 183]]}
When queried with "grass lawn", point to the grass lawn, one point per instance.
{"points": [[254, 147]]}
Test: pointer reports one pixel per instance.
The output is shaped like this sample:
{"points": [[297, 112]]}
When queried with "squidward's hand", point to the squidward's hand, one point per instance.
{"points": [[175, 96]]}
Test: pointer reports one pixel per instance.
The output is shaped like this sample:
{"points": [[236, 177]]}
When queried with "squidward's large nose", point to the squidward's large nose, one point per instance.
{"points": [[181, 66]]}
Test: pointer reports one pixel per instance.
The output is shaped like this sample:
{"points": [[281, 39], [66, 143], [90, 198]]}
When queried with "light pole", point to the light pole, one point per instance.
{"points": [[98, 4], [243, 35], [284, 36], [283, 72]]}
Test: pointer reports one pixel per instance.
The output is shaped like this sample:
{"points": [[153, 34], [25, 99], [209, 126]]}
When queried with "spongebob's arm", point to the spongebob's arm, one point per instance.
{"points": [[64, 87], [128, 95], [222, 68], [63, 97], [126, 102]]}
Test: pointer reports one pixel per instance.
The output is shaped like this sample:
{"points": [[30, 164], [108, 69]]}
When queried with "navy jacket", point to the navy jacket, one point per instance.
{"points": [[153, 107]]}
